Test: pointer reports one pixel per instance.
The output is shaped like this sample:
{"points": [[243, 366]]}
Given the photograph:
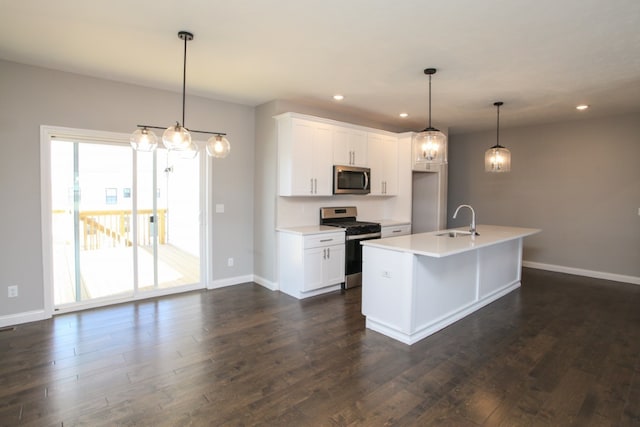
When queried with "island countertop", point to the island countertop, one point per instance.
{"points": [[431, 245]]}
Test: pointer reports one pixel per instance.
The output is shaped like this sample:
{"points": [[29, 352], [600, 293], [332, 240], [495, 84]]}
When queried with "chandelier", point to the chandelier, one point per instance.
{"points": [[177, 137]]}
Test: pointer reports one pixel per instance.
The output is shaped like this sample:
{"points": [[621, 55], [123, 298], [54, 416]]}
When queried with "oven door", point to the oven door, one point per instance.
{"points": [[353, 259]]}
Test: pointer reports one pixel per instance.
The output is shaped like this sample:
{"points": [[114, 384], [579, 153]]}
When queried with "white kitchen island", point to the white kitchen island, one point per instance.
{"points": [[415, 285]]}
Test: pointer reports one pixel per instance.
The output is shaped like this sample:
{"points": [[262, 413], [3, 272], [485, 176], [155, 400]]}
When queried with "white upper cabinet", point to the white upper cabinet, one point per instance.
{"points": [[349, 147], [383, 161], [305, 156]]}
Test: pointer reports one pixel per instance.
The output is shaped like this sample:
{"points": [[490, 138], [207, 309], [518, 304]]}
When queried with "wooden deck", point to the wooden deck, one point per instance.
{"points": [[109, 272]]}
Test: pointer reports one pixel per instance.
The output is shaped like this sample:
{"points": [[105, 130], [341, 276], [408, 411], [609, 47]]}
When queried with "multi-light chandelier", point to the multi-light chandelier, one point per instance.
{"points": [[497, 158], [177, 137], [430, 145]]}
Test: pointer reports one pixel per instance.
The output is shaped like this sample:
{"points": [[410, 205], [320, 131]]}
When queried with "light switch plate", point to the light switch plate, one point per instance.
{"points": [[219, 208]]}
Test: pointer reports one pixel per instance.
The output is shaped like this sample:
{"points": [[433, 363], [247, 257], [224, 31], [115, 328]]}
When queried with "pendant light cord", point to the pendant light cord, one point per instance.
{"points": [[429, 127], [498, 127], [184, 78]]}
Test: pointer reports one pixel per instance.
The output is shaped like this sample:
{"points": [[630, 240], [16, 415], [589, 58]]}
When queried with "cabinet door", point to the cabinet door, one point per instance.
{"points": [[334, 265], [349, 147], [314, 260], [305, 154], [321, 158], [383, 160], [302, 148], [390, 160]]}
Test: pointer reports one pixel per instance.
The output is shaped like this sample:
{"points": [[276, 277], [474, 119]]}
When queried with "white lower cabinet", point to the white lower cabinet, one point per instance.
{"points": [[310, 264]]}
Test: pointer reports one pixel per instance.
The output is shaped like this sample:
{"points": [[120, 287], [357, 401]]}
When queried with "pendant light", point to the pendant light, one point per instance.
{"points": [[497, 158], [177, 137], [430, 145]]}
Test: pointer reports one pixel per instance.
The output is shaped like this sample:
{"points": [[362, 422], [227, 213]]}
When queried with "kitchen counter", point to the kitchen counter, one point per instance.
{"points": [[310, 229], [415, 285], [432, 245]]}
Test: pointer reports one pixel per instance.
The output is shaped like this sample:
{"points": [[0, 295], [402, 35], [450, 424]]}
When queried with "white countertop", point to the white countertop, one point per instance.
{"points": [[429, 244], [310, 229]]}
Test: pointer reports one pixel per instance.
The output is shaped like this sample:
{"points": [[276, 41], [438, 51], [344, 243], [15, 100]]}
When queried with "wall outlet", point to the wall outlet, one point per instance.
{"points": [[386, 274], [230, 262], [12, 291]]}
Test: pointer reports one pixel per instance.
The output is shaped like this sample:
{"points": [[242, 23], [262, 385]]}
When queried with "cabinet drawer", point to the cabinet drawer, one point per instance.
{"points": [[397, 230], [327, 239]]}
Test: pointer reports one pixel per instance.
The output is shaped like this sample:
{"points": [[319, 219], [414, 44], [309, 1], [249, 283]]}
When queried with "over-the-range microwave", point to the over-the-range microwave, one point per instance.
{"points": [[351, 180]]}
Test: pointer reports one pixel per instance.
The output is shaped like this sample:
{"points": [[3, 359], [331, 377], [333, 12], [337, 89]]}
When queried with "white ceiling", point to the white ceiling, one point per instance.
{"points": [[541, 57]]}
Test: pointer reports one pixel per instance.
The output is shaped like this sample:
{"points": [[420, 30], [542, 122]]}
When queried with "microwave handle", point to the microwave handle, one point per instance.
{"points": [[366, 180]]}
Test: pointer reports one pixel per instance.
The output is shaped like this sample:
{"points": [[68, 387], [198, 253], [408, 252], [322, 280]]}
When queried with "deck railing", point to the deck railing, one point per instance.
{"points": [[113, 228]]}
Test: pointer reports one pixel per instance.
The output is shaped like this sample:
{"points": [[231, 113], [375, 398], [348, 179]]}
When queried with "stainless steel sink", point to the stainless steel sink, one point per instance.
{"points": [[454, 233]]}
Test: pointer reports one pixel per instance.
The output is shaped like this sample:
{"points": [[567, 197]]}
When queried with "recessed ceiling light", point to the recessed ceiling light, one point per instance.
{"points": [[338, 97], [404, 115], [582, 107]]}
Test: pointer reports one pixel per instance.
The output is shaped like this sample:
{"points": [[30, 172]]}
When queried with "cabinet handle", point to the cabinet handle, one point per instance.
{"points": [[311, 185], [315, 186], [328, 252], [396, 231], [326, 240], [324, 254]]}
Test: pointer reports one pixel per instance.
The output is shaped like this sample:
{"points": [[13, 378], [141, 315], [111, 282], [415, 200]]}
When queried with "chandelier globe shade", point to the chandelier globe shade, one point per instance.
{"points": [[218, 146], [143, 139]]}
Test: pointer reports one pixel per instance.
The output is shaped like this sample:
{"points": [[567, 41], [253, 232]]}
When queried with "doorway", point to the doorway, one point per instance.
{"points": [[124, 225]]}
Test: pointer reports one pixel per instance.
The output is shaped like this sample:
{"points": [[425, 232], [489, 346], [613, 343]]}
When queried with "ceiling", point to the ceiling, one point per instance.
{"points": [[541, 58]]}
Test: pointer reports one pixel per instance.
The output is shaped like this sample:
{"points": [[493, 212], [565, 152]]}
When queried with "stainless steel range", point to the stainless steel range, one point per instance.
{"points": [[355, 232]]}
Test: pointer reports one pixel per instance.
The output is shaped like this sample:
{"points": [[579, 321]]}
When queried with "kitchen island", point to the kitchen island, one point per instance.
{"points": [[415, 285]]}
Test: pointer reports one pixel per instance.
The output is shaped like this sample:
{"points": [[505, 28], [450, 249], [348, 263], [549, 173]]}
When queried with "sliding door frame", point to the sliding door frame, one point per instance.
{"points": [[47, 133]]}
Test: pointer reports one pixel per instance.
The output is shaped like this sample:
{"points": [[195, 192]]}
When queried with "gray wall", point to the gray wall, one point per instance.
{"points": [[34, 96], [578, 181]]}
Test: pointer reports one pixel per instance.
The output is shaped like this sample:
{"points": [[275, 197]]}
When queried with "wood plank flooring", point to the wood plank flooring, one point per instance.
{"points": [[562, 350]]}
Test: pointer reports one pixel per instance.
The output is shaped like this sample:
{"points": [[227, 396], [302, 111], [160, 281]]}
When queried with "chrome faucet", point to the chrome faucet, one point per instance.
{"points": [[472, 228]]}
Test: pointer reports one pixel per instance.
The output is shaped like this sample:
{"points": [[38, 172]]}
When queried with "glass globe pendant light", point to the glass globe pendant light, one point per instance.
{"points": [[430, 145], [218, 146], [497, 158], [143, 140], [177, 137]]}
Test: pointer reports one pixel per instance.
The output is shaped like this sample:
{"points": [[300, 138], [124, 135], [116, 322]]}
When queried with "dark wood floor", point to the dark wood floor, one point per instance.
{"points": [[562, 350]]}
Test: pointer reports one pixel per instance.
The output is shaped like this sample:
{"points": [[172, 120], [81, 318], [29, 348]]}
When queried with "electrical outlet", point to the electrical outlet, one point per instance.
{"points": [[386, 274], [12, 291], [230, 262]]}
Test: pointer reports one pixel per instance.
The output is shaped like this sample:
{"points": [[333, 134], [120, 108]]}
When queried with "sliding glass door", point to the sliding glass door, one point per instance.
{"points": [[123, 224]]}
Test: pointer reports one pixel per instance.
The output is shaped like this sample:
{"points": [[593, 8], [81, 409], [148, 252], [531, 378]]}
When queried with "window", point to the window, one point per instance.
{"points": [[111, 196]]}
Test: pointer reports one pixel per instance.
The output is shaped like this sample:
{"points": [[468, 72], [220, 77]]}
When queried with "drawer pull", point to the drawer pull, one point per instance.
{"points": [[326, 240]]}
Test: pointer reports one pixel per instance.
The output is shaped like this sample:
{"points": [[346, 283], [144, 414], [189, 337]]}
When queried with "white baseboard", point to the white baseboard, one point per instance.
{"points": [[272, 286], [26, 317], [230, 281], [582, 272]]}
